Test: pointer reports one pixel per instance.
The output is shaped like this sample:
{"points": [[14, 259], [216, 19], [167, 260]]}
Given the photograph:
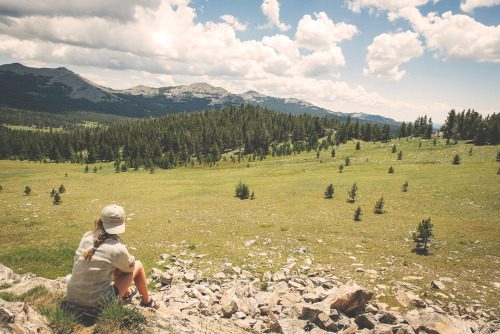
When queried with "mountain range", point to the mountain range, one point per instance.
{"points": [[59, 90]]}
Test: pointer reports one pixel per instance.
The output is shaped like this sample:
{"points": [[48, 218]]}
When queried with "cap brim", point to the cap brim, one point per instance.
{"points": [[114, 229]]}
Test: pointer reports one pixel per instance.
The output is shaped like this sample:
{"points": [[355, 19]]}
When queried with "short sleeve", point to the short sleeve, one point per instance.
{"points": [[122, 259]]}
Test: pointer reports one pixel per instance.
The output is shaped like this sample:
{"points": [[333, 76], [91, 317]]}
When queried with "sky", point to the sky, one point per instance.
{"points": [[396, 58]]}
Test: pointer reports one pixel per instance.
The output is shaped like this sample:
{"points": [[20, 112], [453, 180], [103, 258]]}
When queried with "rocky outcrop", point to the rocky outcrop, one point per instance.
{"points": [[284, 302]]}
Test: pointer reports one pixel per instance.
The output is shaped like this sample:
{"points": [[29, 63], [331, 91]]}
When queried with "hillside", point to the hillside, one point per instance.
{"points": [[61, 91]]}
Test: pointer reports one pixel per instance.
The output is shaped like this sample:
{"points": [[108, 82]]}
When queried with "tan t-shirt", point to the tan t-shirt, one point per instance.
{"points": [[89, 284]]}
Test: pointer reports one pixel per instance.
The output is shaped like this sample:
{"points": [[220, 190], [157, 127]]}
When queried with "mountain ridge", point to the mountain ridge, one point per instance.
{"points": [[59, 90]]}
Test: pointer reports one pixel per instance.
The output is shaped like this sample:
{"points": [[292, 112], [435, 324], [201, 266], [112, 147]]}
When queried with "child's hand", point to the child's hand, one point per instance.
{"points": [[132, 262]]}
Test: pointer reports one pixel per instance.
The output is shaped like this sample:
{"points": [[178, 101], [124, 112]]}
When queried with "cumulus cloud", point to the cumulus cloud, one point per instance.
{"points": [[271, 9], [233, 22], [357, 5], [320, 33], [388, 51], [469, 5], [454, 37]]}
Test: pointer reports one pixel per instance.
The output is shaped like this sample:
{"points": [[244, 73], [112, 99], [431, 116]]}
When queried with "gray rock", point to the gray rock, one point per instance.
{"points": [[311, 312], [7, 275], [347, 298], [408, 298], [25, 286], [366, 320], [279, 276], [438, 285], [291, 326], [438, 324], [17, 317], [323, 321], [165, 278]]}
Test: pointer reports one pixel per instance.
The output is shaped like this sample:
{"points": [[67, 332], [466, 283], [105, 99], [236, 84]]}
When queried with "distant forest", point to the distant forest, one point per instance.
{"points": [[185, 138]]}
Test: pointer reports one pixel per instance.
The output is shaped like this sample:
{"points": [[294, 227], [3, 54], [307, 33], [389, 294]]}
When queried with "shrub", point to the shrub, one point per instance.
{"points": [[341, 168], [391, 170], [242, 191], [191, 247], [301, 238], [379, 206], [333, 153], [434, 142], [124, 167], [57, 199], [252, 197], [498, 156], [62, 189], [400, 155], [394, 148], [1, 188], [358, 146], [347, 161], [405, 187], [53, 192], [357, 214], [456, 160], [329, 191], [95, 169], [470, 151], [352, 193], [86, 168], [423, 235], [27, 190]]}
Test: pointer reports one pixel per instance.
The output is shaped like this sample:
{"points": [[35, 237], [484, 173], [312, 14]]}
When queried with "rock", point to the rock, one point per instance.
{"points": [[165, 278], [311, 312], [190, 275], [438, 324], [25, 286], [7, 275], [219, 275], [347, 298], [267, 276], [323, 321], [279, 276], [408, 298], [389, 318], [311, 297], [366, 320], [438, 285], [290, 299], [249, 243], [17, 317], [291, 326]]}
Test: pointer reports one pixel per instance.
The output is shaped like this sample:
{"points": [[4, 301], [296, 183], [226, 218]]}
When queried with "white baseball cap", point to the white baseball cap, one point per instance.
{"points": [[113, 219]]}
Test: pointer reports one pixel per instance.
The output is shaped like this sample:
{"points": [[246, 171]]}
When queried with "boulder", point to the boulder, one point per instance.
{"points": [[438, 285], [165, 278], [291, 326], [25, 286], [366, 320], [7, 275], [408, 298], [17, 317], [347, 298], [229, 304], [436, 323]]}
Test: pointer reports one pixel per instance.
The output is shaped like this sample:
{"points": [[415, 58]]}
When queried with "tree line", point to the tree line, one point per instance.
{"points": [[472, 126]]}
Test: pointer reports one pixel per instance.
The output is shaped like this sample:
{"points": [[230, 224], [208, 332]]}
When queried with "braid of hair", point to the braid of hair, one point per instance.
{"points": [[87, 255]]}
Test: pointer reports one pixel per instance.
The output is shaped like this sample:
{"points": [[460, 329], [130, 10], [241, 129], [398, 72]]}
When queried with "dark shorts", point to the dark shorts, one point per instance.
{"points": [[117, 292]]}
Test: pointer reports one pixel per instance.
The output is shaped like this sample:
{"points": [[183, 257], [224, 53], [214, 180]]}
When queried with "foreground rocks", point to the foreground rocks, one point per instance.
{"points": [[283, 302]]}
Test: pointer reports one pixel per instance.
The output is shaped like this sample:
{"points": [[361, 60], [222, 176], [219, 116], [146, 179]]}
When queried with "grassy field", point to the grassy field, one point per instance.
{"points": [[174, 211]]}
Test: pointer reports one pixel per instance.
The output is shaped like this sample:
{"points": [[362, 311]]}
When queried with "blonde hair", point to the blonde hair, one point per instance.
{"points": [[103, 235]]}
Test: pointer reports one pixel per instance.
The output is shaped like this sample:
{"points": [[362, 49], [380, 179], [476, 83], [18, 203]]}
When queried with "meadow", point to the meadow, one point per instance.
{"points": [[192, 211]]}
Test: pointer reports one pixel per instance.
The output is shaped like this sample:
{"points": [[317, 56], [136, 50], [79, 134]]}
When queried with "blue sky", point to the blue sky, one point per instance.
{"points": [[396, 58]]}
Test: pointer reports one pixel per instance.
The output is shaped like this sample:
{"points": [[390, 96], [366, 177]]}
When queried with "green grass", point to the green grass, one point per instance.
{"points": [[172, 209]]}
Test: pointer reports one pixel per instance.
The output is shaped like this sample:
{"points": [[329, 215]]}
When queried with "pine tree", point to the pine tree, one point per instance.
{"points": [[86, 168], [341, 168], [434, 142], [62, 189], [394, 149], [52, 192], [498, 156], [358, 146], [347, 161], [391, 170], [95, 169], [333, 153], [379, 206], [357, 214], [405, 187], [242, 191], [252, 197], [423, 235], [329, 191], [456, 160], [400, 155], [57, 199], [352, 193], [27, 190]]}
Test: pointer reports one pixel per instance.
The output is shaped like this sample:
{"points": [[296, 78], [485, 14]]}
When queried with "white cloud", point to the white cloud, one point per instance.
{"points": [[271, 9], [388, 51], [319, 34], [469, 5], [357, 5], [455, 37], [233, 22]]}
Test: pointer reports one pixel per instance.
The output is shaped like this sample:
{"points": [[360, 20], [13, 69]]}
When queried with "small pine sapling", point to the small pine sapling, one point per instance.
{"points": [[498, 156], [391, 170], [456, 160], [347, 161], [423, 235], [333, 153], [57, 199], [405, 187], [317, 154], [400, 155], [252, 197], [62, 189], [394, 148], [1, 188], [358, 146], [27, 190], [352, 193], [329, 191], [95, 169], [53, 192], [341, 168], [470, 151], [420, 144], [357, 214], [379, 206], [434, 142], [86, 168]]}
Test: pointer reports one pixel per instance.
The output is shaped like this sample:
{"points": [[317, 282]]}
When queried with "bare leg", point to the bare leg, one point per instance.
{"points": [[123, 280]]}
